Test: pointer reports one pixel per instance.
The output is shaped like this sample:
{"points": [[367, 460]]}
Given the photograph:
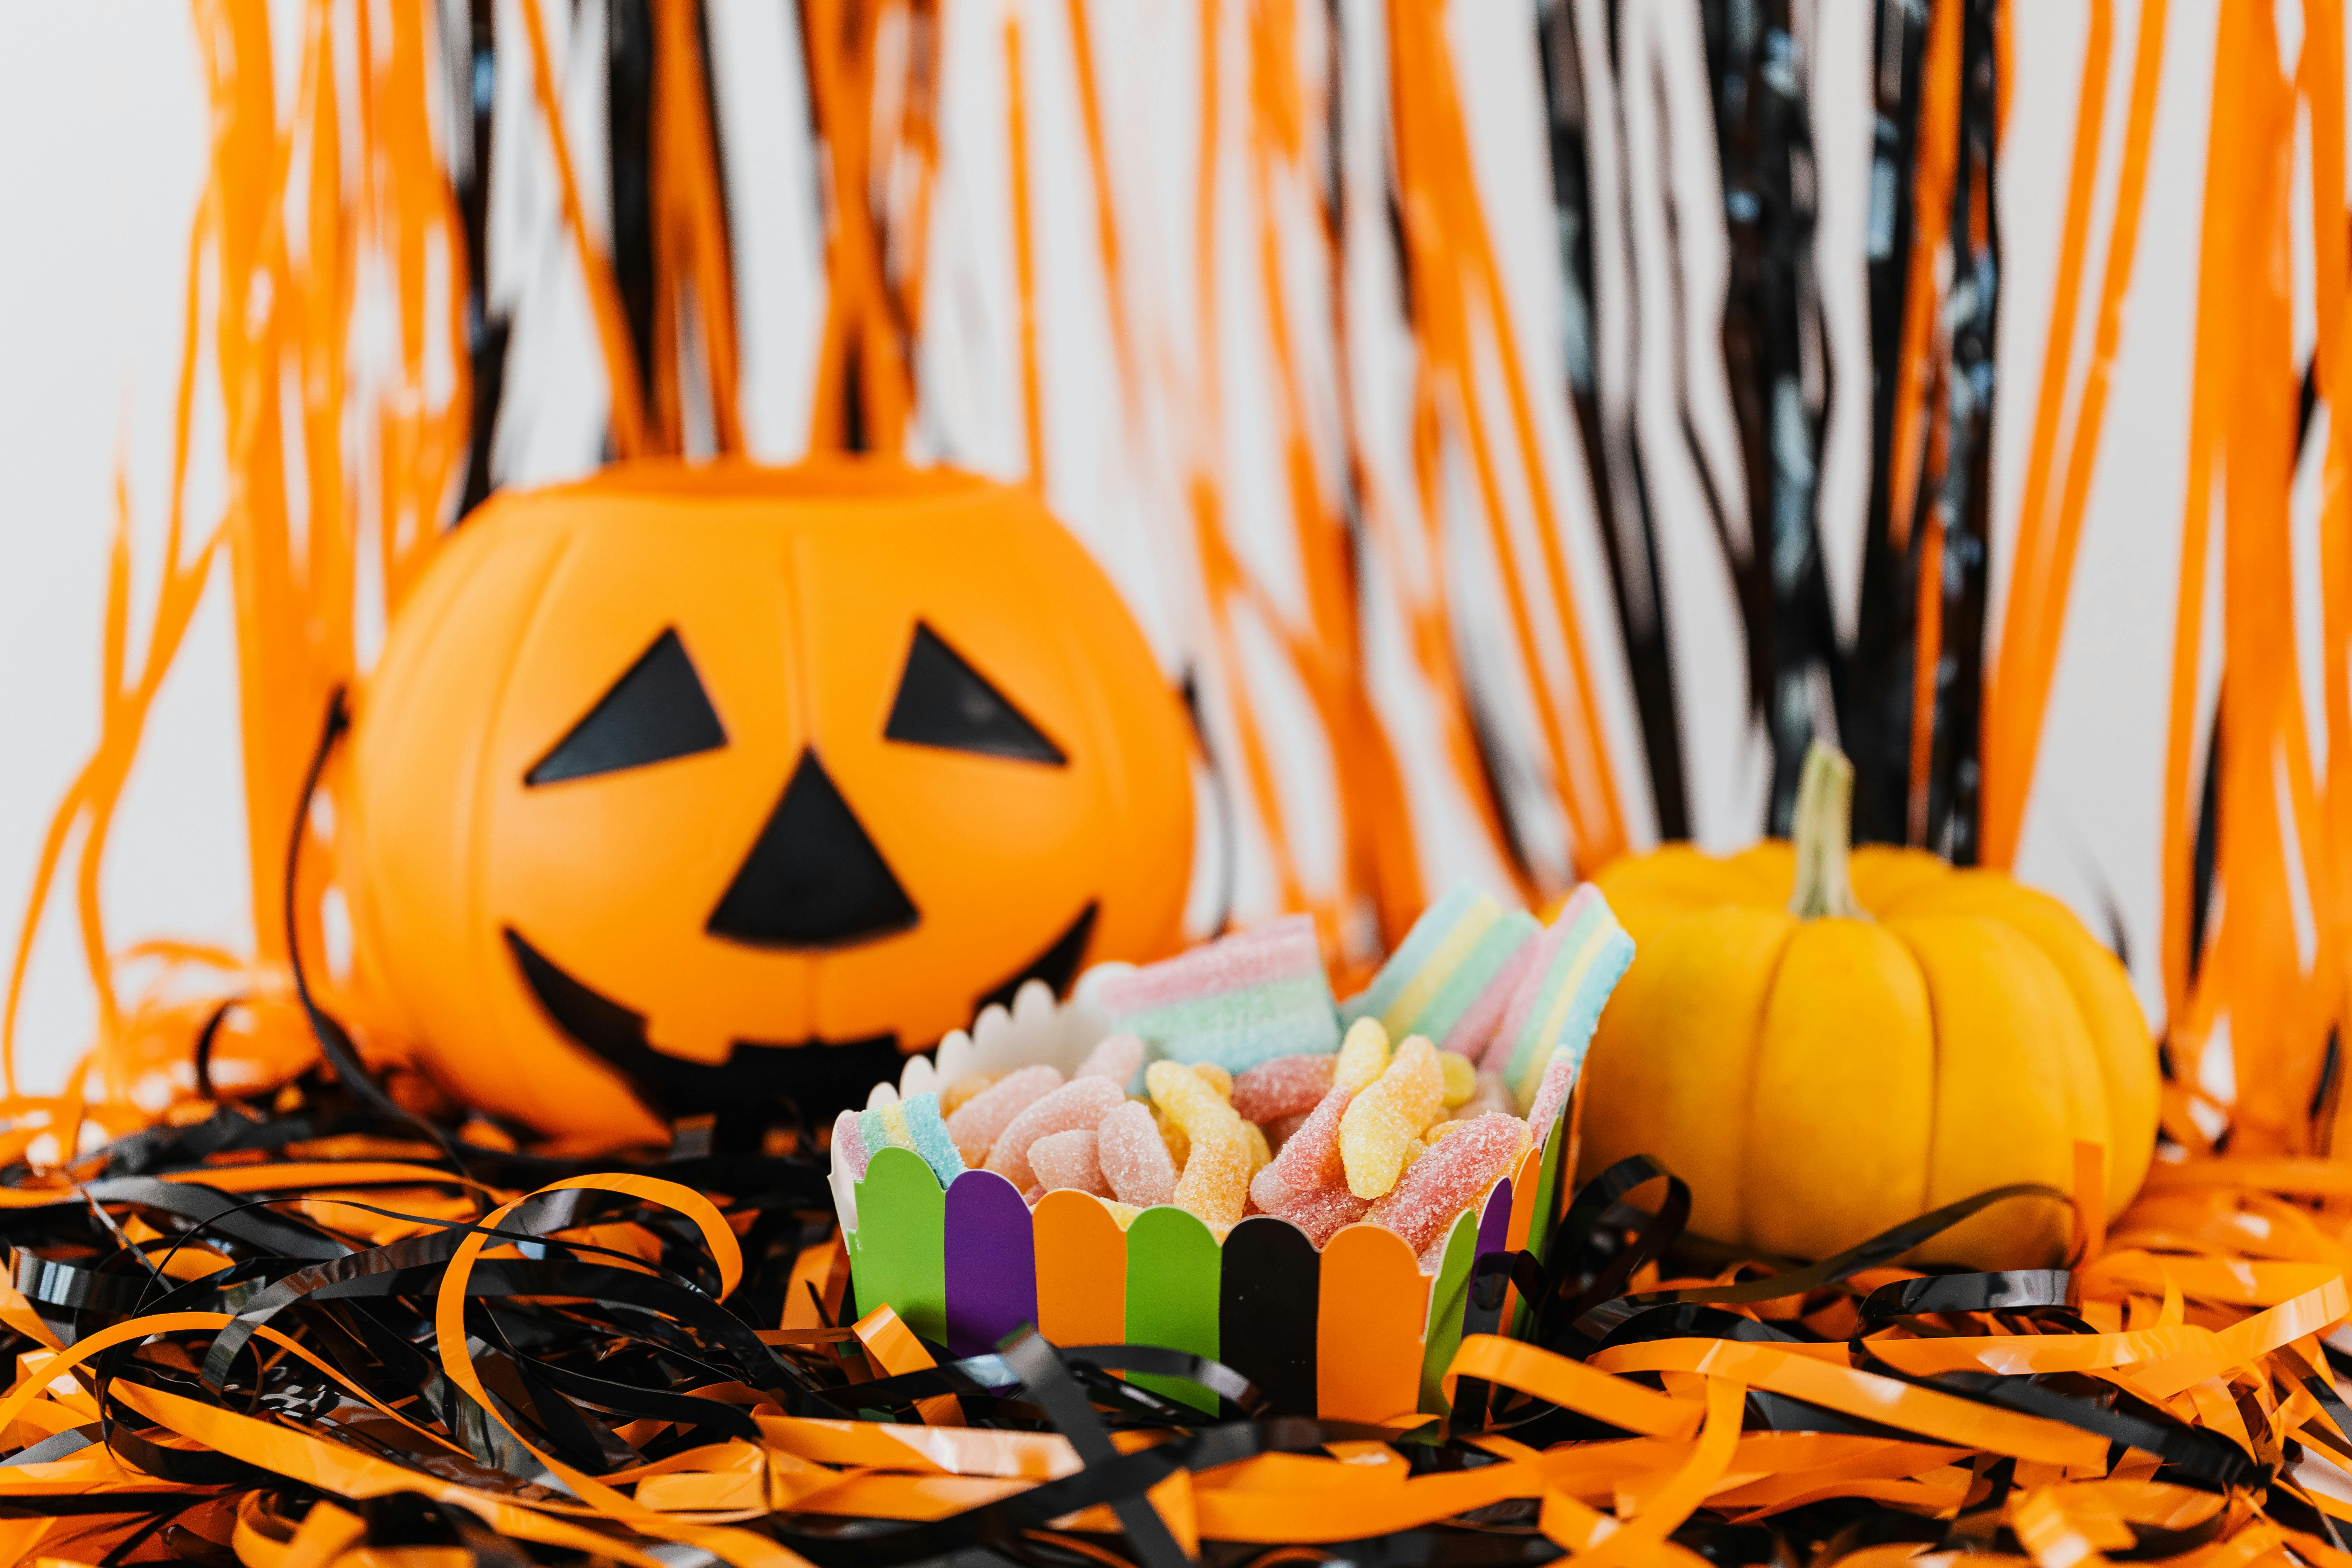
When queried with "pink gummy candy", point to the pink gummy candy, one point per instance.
{"points": [[1558, 1079], [1068, 1160], [1492, 1094], [1310, 1157], [1117, 1057], [1278, 1131], [848, 1147], [1453, 1174], [1322, 1214], [1134, 1157], [978, 1120], [1285, 1086], [1081, 1102]]}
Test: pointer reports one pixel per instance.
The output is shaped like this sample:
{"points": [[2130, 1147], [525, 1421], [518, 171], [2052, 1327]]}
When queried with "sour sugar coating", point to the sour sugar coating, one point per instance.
{"points": [[927, 1135], [876, 1132], [1172, 1139], [1490, 1093], [1324, 1213], [1286, 1086], [1236, 1002], [1461, 1076], [1473, 1034], [913, 1124], [1309, 1160], [1133, 1157], [848, 1148], [1440, 974], [1186, 1097], [1216, 1078], [1559, 1002], [1081, 1102], [1069, 1160], [1382, 1125], [1452, 1175], [976, 1124], [1552, 1092], [1117, 1057], [1461, 909], [1278, 1131], [1363, 1055], [1261, 1154], [1217, 1176], [1215, 1182], [958, 1094]]}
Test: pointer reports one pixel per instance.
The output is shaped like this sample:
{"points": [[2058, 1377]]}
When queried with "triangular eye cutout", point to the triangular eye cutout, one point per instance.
{"points": [[943, 702], [655, 711]]}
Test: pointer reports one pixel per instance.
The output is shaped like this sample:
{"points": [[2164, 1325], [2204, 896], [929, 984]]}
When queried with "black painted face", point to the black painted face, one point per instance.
{"points": [[812, 879]]}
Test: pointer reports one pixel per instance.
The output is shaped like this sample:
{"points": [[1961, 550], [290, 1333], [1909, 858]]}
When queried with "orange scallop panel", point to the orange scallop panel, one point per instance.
{"points": [[1523, 1197], [1368, 1327], [1081, 1270], [1525, 1177]]}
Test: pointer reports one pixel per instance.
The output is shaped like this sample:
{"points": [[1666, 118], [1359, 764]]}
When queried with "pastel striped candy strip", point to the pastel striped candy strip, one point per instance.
{"points": [[1440, 981], [1474, 1030], [1550, 1023], [1242, 1000], [914, 1124]]}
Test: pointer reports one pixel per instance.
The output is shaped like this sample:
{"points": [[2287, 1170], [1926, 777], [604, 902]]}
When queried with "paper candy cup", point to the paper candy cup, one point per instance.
{"points": [[1356, 1332]]}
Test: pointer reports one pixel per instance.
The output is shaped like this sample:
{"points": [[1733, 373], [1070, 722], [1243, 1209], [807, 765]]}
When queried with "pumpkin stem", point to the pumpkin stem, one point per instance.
{"points": [[1823, 829]]}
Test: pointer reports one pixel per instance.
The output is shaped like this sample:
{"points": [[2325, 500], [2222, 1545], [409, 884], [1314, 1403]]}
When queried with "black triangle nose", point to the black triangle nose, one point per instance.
{"points": [[813, 878]]}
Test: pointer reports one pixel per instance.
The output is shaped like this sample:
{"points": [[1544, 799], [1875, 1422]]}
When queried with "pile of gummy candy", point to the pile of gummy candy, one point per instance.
{"points": [[1252, 1103]]}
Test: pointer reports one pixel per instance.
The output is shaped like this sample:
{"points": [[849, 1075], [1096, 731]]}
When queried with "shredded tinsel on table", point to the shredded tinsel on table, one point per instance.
{"points": [[279, 1339]]}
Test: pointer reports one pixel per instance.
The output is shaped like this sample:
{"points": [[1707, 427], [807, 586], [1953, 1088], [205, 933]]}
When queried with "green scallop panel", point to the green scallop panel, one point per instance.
{"points": [[1173, 1276], [900, 1251], [1446, 1297], [1549, 1177]]}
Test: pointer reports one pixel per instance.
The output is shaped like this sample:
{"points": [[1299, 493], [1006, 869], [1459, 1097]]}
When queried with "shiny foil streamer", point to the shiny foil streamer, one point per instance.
{"points": [[270, 1340]]}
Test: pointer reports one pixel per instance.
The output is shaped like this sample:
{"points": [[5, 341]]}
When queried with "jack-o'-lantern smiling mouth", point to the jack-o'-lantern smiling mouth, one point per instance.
{"points": [[820, 1076], [813, 878]]}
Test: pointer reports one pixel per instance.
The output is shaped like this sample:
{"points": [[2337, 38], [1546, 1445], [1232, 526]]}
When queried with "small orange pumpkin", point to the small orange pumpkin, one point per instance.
{"points": [[681, 790], [1823, 1053]]}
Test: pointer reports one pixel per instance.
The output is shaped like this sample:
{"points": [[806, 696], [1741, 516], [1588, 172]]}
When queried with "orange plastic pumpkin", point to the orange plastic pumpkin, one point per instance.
{"points": [[681, 790]]}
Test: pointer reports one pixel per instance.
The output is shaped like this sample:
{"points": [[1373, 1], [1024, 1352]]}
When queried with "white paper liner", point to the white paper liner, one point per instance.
{"points": [[1037, 1031]]}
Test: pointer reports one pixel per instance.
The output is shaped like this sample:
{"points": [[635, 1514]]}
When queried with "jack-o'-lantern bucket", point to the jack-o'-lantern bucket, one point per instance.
{"points": [[684, 791]]}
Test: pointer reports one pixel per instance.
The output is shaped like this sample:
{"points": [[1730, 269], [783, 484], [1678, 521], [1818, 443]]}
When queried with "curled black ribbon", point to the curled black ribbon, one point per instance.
{"points": [[576, 1344]]}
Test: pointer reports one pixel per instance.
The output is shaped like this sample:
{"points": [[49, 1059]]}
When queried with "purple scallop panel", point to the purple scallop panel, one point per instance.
{"points": [[1494, 1227], [992, 1263]]}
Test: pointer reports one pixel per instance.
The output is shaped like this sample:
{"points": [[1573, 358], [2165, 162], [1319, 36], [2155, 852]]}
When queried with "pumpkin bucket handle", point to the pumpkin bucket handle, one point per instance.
{"points": [[1823, 831]]}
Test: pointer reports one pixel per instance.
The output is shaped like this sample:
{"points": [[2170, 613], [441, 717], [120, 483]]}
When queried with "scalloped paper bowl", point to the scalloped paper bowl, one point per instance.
{"points": [[1354, 1333]]}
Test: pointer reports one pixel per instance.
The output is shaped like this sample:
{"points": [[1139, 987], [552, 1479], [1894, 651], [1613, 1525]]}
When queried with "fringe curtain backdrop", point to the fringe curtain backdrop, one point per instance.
{"points": [[1519, 428]]}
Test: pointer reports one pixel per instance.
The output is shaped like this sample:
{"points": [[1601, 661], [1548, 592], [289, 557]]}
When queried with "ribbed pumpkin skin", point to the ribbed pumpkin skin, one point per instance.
{"points": [[1817, 1082]]}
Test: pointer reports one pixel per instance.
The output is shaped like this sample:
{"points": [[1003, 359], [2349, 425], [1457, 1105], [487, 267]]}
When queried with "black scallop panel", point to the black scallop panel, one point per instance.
{"points": [[943, 702], [1273, 1290], [657, 711]]}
